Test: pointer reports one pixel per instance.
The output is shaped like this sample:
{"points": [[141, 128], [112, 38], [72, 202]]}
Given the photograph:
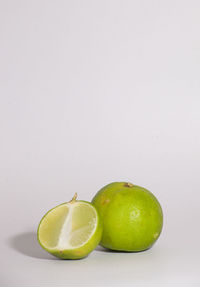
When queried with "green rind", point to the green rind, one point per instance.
{"points": [[115, 203], [83, 251]]}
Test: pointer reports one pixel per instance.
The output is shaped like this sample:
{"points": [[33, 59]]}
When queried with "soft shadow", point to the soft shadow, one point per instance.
{"points": [[103, 249], [27, 244]]}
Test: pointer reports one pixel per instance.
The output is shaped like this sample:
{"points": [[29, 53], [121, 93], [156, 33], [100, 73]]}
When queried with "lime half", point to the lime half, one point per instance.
{"points": [[70, 230]]}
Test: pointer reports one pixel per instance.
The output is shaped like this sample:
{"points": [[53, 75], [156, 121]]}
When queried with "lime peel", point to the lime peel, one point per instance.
{"points": [[132, 216], [71, 230]]}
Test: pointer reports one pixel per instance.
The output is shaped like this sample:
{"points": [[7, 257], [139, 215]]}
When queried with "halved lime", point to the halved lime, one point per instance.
{"points": [[70, 230]]}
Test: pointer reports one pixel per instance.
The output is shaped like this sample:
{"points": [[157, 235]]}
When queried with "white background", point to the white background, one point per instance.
{"points": [[93, 92]]}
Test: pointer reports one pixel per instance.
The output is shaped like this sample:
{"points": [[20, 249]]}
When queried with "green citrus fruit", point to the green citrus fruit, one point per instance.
{"points": [[70, 230], [132, 216]]}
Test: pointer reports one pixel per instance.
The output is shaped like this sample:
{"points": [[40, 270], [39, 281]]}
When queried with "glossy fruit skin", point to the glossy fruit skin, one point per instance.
{"points": [[132, 216]]}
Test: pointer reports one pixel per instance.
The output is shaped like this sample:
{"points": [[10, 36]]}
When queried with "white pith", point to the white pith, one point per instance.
{"points": [[66, 233], [64, 236]]}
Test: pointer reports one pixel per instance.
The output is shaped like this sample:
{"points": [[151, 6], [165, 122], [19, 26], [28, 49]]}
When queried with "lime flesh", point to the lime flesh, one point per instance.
{"points": [[71, 230], [132, 216]]}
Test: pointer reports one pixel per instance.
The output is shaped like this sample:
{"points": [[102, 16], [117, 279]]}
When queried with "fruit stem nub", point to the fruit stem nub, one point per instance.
{"points": [[128, 184], [74, 197]]}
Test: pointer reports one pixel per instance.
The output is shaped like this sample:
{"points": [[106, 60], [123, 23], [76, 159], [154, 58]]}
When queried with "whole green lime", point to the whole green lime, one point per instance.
{"points": [[132, 216]]}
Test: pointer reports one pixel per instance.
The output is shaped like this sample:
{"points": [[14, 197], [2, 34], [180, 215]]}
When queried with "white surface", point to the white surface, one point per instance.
{"points": [[93, 92]]}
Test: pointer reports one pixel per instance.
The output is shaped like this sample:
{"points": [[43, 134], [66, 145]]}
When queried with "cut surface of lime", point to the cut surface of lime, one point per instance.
{"points": [[71, 230]]}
